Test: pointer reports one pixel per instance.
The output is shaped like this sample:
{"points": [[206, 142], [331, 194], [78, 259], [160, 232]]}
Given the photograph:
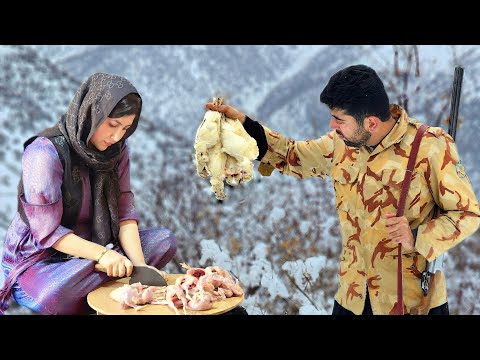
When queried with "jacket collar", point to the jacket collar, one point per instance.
{"points": [[398, 131]]}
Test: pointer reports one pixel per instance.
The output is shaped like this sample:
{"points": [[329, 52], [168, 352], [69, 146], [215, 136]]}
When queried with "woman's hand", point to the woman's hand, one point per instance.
{"points": [[229, 111], [115, 264]]}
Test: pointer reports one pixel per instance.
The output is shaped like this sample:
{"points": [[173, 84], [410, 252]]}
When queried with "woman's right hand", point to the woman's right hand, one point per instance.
{"points": [[229, 111], [115, 264]]}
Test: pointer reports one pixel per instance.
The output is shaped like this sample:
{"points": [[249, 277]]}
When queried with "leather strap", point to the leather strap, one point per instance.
{"points": [[399, 307]]}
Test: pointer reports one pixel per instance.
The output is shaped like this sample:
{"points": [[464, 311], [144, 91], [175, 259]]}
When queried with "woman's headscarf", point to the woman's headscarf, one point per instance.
{"points": [[92, 103]]}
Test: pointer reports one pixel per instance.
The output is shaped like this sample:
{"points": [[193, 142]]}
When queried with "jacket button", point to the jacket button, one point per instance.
{"points": [[361, 296]]}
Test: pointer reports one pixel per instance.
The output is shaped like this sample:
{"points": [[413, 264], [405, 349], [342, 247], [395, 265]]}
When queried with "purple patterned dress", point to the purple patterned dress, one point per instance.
{"points": [[43, 279]]}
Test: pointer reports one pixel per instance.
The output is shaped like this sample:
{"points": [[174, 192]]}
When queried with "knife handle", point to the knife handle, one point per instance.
{"points": [[99, 267]]}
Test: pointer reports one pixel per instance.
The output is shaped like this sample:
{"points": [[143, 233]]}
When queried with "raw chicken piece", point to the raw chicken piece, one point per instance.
{"points": [[197, 272], [201, 300], [134, 295], [176, 298]]}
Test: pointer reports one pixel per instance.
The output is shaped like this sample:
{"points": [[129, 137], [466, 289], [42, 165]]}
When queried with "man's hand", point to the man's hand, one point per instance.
{"points": [[399, 231], [229, 111]]}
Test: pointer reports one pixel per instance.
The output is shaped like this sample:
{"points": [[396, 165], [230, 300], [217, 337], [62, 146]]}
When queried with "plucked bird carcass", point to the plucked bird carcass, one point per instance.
{"points": [[224, 151]]}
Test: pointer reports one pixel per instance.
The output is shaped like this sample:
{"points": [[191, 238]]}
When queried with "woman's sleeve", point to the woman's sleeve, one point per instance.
{"points": [[42, 173], [126, 208]]}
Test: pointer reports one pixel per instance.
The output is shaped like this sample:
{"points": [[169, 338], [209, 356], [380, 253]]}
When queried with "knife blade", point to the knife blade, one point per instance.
{"points": [[147, 275]]}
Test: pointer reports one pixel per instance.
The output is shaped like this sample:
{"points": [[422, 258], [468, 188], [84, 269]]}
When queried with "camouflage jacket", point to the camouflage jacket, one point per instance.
{"points": [[367, 185]]}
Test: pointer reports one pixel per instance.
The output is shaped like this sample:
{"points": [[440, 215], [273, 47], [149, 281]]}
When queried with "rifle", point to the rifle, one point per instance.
{"points": [[428, 276]]}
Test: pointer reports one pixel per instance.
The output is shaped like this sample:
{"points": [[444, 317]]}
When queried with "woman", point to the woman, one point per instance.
{"points": [[76, 225]]}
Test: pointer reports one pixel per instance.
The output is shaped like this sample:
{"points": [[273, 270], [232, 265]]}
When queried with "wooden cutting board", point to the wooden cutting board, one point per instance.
{"points": [[100, 300]]}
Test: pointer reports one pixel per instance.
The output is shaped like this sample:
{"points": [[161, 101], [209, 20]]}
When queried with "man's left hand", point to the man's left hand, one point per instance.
{"points": [[399, 231]]}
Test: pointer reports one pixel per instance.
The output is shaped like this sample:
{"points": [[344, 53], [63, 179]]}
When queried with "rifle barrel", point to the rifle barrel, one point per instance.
{"points": [[455, 101], [452, 131]]}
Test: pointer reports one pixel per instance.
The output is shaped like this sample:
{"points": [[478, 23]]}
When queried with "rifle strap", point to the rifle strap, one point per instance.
{"points": [[399, 307]]}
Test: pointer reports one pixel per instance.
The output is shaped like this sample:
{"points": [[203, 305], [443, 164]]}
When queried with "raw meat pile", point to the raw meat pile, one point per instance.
{"points": [[195, 290]]}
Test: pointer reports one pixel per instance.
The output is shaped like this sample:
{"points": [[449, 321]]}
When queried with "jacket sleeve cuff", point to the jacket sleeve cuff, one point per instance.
{"points": [[256, 131]]}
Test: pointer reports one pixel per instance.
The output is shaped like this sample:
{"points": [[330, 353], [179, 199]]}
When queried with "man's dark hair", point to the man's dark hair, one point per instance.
{"points": [[359, 92], [129, 105]]}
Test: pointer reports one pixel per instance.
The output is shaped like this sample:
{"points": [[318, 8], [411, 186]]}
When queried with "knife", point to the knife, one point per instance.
{"points": [[144, 274], [147, 275]]}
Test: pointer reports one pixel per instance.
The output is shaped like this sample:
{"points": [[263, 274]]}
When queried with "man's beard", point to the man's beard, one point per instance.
{"points": [[359, 138]]}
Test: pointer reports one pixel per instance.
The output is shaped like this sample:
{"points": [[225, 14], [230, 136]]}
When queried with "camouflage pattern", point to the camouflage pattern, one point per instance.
{"points": [[367, 185]]}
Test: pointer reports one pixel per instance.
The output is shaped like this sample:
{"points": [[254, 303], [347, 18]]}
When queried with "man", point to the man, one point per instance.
{"points": [[366, 155]]}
